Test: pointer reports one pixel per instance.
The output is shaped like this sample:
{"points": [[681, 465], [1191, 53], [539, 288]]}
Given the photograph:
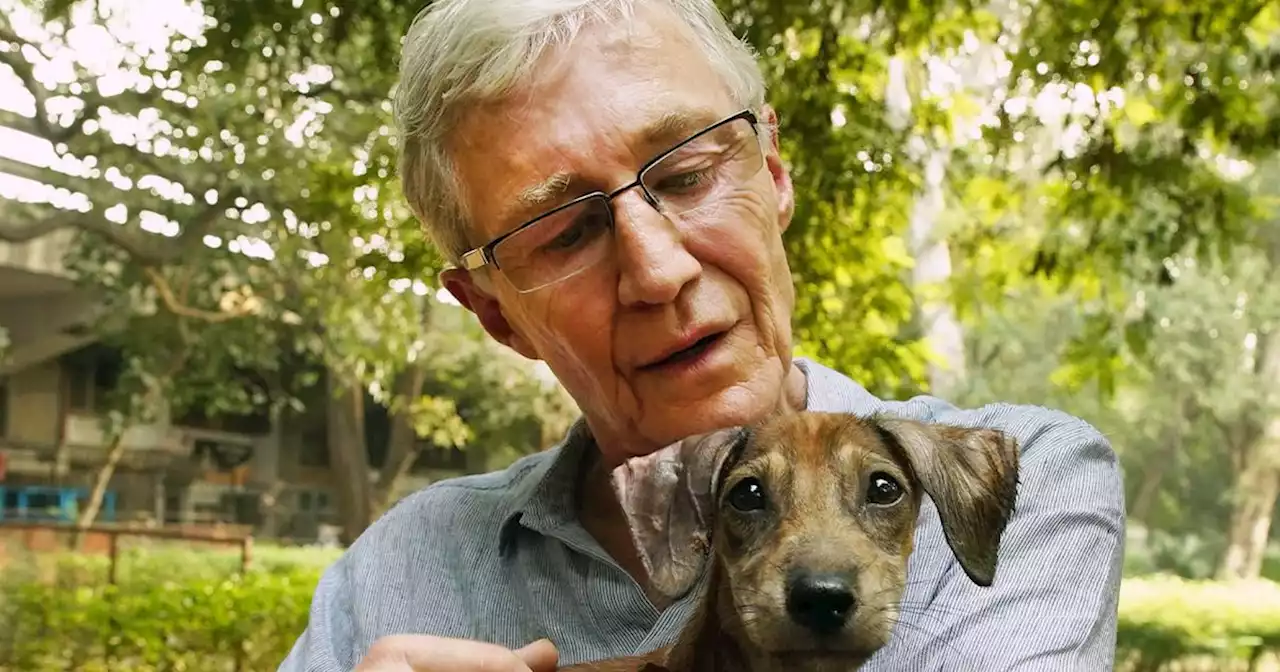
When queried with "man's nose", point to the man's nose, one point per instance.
{"points": [[820, 602], [653, 263]]}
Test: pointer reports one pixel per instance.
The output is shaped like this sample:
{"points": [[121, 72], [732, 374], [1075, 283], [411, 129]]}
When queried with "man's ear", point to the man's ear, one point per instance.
{"points": [[668, 498], [779, 171], [972, 477], [485, 306]]}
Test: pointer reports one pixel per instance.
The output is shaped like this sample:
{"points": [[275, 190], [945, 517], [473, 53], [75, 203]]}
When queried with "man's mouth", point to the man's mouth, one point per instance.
{"points": [[687, 354]]}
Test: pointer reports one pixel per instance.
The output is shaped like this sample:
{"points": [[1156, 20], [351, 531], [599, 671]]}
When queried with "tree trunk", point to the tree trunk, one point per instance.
{"points": [[100, 483], [1256, 491], [931, 275], [61, 459], [402, 445], [269, 506], [61, 466], [1257, 486], [1145, 500], [932, 271], [348, 454], [1174, 440]]}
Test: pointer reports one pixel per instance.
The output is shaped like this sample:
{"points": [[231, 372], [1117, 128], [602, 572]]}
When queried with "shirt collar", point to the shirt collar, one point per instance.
{"points": [[546, 497]]}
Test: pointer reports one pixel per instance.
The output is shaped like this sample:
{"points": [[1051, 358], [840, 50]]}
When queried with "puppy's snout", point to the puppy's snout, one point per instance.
{"points": [[821, 603]]}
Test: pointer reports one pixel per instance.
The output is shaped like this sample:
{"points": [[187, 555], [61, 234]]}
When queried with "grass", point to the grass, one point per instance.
{"points": [[185, 609]]}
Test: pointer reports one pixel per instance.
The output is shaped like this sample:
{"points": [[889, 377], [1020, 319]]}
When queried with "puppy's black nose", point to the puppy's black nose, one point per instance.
{"points": [[820, 602]]}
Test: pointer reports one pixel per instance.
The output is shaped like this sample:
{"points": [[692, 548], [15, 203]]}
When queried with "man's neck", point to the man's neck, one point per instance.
{"points": [[616, 448], [602, 516]]}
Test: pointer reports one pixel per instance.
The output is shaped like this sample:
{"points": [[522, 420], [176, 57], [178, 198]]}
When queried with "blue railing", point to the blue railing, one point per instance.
{"points": [[38, 502]]}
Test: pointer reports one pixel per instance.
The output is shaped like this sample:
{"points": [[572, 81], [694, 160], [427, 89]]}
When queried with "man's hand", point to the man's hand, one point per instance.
{"points": [[425, 653]]}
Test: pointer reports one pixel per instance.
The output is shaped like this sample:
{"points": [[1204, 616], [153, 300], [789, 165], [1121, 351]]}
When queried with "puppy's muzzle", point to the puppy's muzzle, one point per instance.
{"points": [[820, 602]]}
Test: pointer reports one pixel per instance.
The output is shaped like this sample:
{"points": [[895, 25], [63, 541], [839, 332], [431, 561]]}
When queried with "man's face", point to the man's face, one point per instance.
{"points": [[684, 327]]}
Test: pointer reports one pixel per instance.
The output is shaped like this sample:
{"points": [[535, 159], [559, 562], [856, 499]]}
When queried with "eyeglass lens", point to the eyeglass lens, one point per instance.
{"points": [[688, 183]]}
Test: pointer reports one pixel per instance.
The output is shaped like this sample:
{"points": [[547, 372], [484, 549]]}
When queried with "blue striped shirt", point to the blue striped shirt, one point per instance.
{"points": [[501, 557]]}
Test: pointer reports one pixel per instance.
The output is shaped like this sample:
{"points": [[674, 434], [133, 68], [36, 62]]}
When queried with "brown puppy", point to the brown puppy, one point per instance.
{"points": [[814, 515]]}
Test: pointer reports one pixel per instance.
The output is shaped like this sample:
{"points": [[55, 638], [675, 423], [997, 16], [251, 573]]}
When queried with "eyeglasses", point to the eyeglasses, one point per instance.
{"points": [[685, 183]]}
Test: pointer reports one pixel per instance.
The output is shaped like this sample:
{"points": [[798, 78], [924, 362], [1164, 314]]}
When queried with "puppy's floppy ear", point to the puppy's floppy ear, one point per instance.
{"points": [[668, 498], [972, 477]]}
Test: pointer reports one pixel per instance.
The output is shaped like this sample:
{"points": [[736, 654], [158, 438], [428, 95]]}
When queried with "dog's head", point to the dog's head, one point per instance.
{"points": [[814, 516]]}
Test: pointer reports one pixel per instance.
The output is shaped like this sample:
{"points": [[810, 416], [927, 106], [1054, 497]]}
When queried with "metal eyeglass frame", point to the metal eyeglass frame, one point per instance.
{"points": [[482, 256]]}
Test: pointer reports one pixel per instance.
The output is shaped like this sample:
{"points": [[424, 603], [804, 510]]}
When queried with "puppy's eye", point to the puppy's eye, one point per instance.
{"points": [[883, 490], [747, 495]]}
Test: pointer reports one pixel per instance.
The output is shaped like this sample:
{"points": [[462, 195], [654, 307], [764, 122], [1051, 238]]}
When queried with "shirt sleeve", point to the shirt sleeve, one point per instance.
{"points": [[328, 622], [1053, 605]]}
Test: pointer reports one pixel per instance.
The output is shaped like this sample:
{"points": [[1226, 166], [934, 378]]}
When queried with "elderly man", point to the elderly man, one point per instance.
{"points": [[605, 176]]}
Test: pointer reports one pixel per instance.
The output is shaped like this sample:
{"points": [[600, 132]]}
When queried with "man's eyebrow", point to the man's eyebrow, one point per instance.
{"points": [[533, 200], [676, 126], [545, 191], [671, 128]]}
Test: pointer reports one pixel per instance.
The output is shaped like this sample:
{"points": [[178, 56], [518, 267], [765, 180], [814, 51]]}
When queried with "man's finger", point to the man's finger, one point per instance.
{"points": [[540, 656]]}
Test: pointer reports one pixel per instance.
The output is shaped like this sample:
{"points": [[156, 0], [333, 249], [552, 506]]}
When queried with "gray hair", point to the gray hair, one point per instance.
{"points": [[458, 53]]}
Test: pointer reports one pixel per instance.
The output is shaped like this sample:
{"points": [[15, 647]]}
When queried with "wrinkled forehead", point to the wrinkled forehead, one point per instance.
{"points": [[594, 110]]}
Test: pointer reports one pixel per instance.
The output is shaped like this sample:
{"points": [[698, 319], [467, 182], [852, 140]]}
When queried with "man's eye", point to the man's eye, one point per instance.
{"points": [[580, 230], [685, 181], [567, 238]]}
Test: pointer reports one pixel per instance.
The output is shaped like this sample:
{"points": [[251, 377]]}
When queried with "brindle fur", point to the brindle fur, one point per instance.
{"points": [[815, 469]]}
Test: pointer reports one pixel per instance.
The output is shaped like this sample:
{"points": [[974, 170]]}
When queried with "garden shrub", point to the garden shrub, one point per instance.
{"points": [[171, 610], [245, 623], [190, 610], [1167, 618]]}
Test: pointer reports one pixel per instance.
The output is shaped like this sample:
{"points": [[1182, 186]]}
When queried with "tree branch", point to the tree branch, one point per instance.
{"points": [[195, 228], [40, 125], [91, 103], [175, 306], [18, 122], [143, 247], [39, 174], [139, 245], [23, 69]]}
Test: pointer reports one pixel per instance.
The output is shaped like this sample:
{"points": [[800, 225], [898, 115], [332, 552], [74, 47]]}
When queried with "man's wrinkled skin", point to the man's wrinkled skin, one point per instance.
{"points": [[819, 515], [664, 281], [586, 114]]}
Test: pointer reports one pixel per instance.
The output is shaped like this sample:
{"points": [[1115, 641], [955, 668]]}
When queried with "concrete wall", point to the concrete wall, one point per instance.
{"points": [[34, 396], [159, 462], [41, 308], [39, 303], [43, 255]]}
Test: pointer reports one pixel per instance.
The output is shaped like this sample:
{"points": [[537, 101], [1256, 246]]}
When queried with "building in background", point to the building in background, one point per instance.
{"points": [[240, 471]]}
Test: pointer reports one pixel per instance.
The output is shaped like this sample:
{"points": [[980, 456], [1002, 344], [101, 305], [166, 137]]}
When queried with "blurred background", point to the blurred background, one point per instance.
{"points": [[217, 315]]}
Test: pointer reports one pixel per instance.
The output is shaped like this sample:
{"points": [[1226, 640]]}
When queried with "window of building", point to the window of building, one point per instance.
{"points": [[79, 389], [92, 374], [314, 448], [313, 502]]}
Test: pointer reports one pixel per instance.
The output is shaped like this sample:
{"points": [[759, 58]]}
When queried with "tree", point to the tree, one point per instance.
{"points": [[822, 65], [1257, 461], [240, 211], [1142, 173], [827, 64], [1194, 409], [1110, 141], [1121, 142]]}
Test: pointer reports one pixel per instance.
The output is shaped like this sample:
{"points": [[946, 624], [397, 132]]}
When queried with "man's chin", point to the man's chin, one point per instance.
{"points": [[732, 407]]}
